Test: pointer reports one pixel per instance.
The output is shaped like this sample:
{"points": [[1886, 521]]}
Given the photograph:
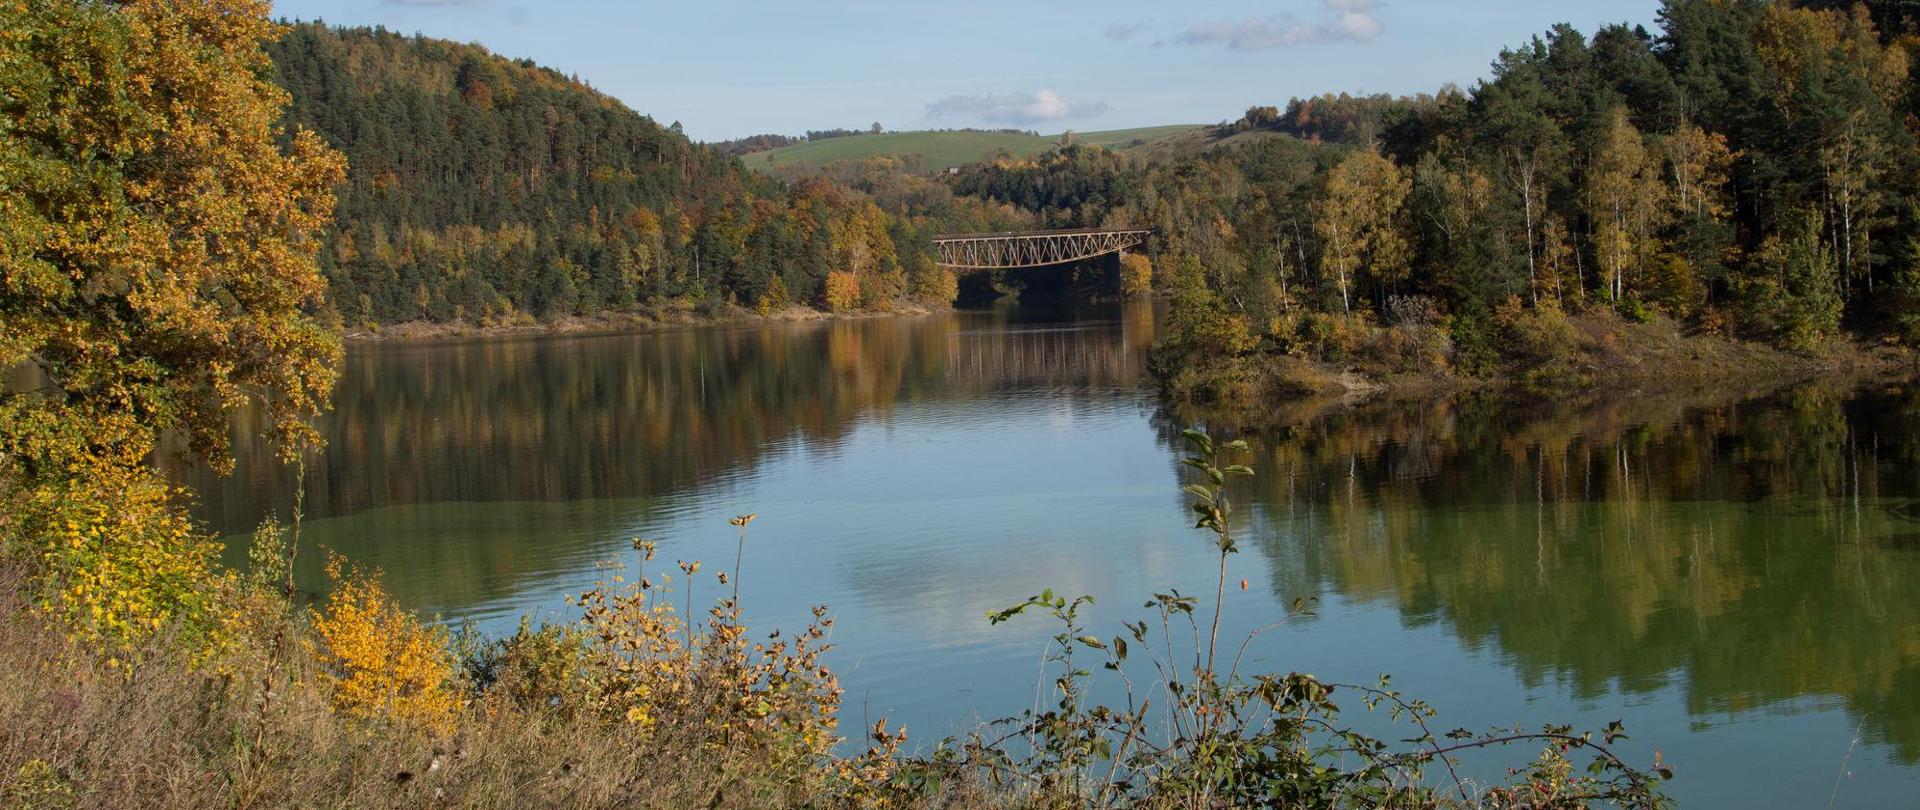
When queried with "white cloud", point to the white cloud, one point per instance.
{"points": [[434, 2], [1121, 31], [1015, 108], [1344, 21]]}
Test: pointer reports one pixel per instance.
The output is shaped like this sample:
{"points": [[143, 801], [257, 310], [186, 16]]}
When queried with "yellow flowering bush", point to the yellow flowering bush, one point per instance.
{"points": [[380, 660]]}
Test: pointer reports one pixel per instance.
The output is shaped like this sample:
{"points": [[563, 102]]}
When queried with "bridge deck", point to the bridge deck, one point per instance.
{"points": [[1009, 250], [958, 237]]}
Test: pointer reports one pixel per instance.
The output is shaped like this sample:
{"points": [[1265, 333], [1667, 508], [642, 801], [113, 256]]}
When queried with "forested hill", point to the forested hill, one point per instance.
{"points": [[488, 190]]}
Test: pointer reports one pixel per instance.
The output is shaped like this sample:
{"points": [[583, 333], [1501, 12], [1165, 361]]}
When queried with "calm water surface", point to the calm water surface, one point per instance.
{"points": [[1738, 581]]}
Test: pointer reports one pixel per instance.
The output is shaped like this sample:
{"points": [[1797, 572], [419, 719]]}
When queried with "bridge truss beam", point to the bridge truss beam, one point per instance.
{"points": [[1007, 251]]}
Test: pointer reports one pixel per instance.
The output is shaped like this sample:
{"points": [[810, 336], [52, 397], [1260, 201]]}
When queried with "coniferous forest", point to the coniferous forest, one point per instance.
{"points": [[486, 190]]}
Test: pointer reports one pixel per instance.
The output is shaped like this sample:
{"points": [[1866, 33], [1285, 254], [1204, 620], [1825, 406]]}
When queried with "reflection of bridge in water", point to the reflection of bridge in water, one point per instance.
{"points": [[1071, 357], [1017, 249]]}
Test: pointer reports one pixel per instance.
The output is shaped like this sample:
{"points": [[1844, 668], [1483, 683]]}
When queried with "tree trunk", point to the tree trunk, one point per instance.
{"points": [[1533, 286]]}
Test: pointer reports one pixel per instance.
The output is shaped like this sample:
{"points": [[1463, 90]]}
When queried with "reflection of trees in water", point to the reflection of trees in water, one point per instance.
{"points": [[619, 416], [1755, 551], [468, 470]]}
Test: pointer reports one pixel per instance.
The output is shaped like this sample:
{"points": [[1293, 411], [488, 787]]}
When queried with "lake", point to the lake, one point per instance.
{"points": [[1736, 578]]}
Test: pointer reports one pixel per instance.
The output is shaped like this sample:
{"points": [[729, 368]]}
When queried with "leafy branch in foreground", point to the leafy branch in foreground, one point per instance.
{"points": [[1203, 735]]}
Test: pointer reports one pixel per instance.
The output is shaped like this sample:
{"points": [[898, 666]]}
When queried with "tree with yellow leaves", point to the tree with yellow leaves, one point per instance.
{"points": [[842, 291], [1359, 219], [1623, 198], [1136, 275], [157, 234], [1698, 163]]}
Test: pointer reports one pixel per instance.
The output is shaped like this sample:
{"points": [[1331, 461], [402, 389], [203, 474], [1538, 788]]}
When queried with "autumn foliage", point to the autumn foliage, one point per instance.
{"points": [[157, 234], [119, 561], [1136, 275], [380, 660], [842, 291]]}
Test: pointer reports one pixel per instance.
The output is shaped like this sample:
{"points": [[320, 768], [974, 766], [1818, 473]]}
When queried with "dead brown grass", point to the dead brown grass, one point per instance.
{"points": [[82, 728]]}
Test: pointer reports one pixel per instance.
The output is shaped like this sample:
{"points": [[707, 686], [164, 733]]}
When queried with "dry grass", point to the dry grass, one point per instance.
{"points": [[83, 729]]}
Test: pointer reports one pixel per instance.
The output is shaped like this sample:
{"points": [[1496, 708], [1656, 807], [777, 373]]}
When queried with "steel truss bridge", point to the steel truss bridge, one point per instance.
{"points": [[1017, 249]]}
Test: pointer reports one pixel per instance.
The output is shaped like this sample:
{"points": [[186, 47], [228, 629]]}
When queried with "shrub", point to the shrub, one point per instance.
{"points": [[1535, 334], [1635, 310], [538, 668], [1540, 344], [1417, 338], [36, 785], [118, 558], [1332, 337], [381, 661], [647, 665], [1409, 349], [1473, 336]]}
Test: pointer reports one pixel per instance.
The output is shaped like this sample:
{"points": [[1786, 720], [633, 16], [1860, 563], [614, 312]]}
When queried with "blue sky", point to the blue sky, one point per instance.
{"points": [[726, 68]]}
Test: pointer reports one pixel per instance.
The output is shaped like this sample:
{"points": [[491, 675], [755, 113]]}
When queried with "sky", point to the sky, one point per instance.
{"points": [[730, 68]]}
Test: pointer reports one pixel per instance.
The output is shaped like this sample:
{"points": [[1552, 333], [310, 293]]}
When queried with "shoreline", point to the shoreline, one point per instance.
{"points": [[612, 323], [1611, 358]]}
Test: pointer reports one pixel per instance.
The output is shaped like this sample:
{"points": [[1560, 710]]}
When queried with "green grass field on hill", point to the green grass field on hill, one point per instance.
{"points": [[943, 150]]}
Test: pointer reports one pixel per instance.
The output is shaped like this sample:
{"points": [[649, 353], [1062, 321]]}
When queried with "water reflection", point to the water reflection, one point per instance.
{"points": [[492, 462], [1752, 552], [1734, 574]]}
